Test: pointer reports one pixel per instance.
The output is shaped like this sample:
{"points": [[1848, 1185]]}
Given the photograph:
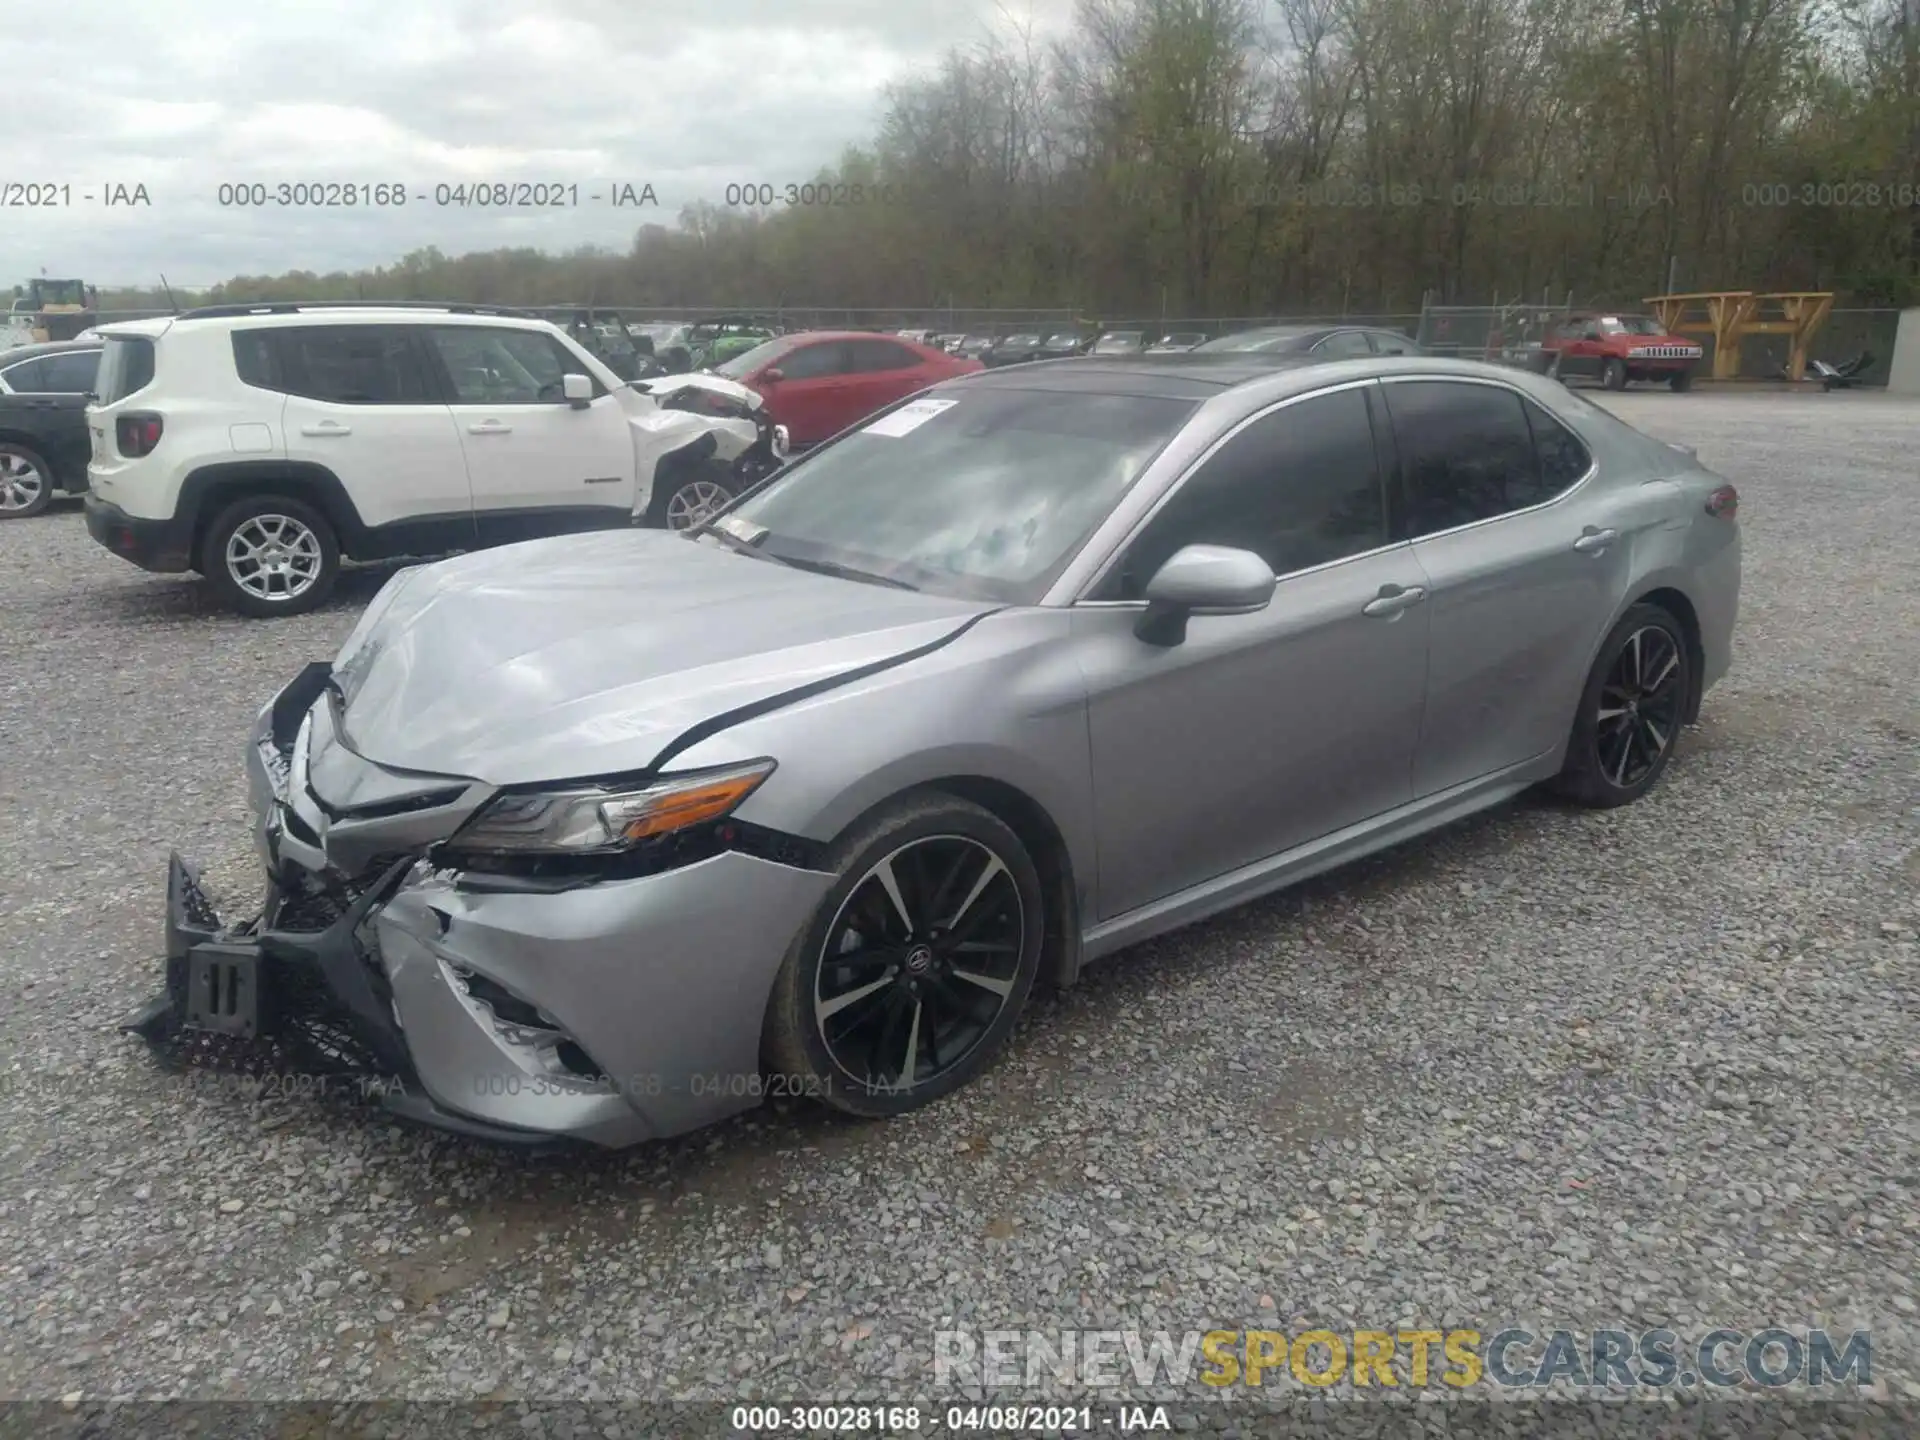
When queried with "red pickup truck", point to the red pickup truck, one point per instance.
{"points": [[1616, 349]]}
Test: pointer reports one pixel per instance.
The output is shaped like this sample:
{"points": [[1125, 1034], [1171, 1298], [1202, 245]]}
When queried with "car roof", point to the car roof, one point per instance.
{"points": [[1191, 375], [45, 347], [811, 335], [278, 313]]}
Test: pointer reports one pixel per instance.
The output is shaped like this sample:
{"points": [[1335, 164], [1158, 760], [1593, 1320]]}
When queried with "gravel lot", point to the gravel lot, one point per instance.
{"points": [[1554, 1068]]}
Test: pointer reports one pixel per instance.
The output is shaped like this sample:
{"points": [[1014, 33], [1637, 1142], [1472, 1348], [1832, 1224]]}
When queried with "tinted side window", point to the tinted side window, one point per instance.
{"points": [[810, 362], [1385, 342], [126, 368], [71, 373], [869, 355], [256, 359], [354, 365], [1465, 450], [1563, 459], [1299, 486], [1343, 345], [25, 377]]}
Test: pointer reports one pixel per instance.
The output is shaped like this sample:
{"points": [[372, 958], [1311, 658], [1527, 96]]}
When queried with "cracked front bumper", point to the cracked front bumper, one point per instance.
{"points": [[610, 1012]]}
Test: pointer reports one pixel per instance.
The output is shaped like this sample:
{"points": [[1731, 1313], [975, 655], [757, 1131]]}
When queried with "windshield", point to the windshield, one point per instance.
{"points": [[1119, 340], [985, 494], [1631, 325], [1258, 340], [1021, 340], [748, 361], [1063, 342]]}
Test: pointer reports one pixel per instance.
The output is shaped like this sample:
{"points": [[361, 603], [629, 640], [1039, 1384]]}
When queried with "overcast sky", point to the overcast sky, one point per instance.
{"points": [[181, 96]]}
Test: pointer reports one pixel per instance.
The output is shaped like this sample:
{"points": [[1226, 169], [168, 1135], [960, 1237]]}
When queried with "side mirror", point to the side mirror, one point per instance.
{"points": [[577, 390], [1203, 580], [773, 376]]}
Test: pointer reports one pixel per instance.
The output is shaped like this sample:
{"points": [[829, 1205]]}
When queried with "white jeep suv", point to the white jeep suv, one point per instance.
{"points": [[258, 444]]}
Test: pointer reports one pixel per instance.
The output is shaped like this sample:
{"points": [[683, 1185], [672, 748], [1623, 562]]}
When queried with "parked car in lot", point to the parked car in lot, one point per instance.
{"points": [[258, 444], [1063, 343], [584, 837], [1617, 350], [1120, 342], [1178, 342], [1014, 349], [818, 382], [972, 347], [1328, 342], [43, 423]]}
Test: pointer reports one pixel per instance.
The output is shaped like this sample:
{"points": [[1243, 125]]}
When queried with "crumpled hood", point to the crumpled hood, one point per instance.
{"points": [[589, 654]]}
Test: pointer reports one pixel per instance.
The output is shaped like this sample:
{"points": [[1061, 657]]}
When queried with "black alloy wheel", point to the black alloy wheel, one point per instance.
{"points": [[1631, 712], [918, 961]]}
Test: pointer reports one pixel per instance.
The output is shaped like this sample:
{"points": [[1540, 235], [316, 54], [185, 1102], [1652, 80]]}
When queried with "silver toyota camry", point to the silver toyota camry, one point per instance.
{"points": [[607, 837]]}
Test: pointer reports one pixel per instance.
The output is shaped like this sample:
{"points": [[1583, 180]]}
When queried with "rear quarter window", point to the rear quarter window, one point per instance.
{"points": [[256, 359], [126, 368]]}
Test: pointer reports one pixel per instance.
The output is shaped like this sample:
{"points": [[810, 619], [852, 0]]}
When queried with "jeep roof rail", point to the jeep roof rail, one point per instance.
{"points": [[296, 307]]}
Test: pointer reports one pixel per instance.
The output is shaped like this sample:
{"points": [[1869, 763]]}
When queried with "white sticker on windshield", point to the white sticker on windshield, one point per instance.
{"points": [[740, 528], [908, 418]]}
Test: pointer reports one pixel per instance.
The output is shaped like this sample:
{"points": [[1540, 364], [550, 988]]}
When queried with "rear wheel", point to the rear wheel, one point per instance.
{"points": [[1613, 374], [1631, 711], [270, 555], [915, 967], [26, 482]]}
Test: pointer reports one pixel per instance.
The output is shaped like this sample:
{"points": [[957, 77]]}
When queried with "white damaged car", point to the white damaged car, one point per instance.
{"points": [[259, 445]]}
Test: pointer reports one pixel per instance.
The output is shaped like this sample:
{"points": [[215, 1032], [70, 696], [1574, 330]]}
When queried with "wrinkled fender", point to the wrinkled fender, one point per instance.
{"points": [[660, 435]]}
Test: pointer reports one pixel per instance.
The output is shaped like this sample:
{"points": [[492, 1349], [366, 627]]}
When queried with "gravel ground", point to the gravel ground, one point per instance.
{"points": [[1655, 1066]]}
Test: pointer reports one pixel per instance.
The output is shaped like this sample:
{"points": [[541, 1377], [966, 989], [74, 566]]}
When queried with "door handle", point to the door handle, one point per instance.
{"points": [[326, 428], [1595, 542], [1393, 599], [489, 427]]}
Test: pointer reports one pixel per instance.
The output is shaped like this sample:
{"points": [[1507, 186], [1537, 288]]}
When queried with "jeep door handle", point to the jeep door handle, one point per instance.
{"points": [[1393, 599], [325, 429], [1595, 542]]}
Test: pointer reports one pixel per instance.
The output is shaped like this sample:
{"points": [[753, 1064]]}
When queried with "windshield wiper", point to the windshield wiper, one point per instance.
{"points": [[843, 572]]}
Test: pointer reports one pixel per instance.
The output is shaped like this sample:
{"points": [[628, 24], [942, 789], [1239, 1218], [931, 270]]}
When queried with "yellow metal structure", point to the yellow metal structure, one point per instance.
{"points": [[1729, 316]]}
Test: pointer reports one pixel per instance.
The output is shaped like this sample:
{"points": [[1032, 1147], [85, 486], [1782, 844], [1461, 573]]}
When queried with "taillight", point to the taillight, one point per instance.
{"points": [[137, 434], [1724, 503]]}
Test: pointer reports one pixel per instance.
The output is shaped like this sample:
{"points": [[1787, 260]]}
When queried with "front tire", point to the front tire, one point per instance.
{"points": [[1682, 381], [1613, 374], [270, 555], [915, 968], [691, 495], [1631, 711], [26, 482]]}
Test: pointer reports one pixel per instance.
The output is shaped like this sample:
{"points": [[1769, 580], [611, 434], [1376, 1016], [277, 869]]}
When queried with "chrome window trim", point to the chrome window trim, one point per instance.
{"points": [[1586, 476], [1194, 466]]}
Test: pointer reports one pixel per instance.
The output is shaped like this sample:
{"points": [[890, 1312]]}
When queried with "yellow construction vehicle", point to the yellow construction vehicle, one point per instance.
{"points": [[46, 310]]}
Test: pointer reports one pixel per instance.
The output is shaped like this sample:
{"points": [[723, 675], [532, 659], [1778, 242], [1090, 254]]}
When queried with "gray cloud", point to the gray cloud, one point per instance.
{"points": [[182, 95]]}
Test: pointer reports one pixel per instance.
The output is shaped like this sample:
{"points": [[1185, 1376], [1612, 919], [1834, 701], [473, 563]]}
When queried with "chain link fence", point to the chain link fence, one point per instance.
{"points": [[1500, 333]]}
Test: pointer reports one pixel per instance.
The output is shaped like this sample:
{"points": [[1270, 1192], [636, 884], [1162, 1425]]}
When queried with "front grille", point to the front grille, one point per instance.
{"points": [[1666, 352]]}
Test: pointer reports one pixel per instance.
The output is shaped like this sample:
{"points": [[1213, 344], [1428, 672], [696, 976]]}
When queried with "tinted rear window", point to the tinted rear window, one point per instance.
{"points": [[256, 360], [126, 367]]}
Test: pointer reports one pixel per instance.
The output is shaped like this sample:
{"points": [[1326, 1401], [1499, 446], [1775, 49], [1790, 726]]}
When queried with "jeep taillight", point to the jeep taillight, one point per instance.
{"points": [[1724, 503], [137, 434]]}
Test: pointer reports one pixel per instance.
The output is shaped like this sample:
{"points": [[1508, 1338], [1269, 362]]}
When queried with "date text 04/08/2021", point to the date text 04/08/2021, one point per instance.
{"points": [[56, 194], [462, 194], [955, 1419], [652, 1083]]}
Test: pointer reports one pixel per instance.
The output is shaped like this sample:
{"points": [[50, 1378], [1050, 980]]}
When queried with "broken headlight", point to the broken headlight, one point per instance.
{"points": [[598, 821]]}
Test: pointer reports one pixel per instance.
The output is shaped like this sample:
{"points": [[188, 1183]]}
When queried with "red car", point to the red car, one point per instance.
{"points": [[1614, 349], [819, 382]]}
